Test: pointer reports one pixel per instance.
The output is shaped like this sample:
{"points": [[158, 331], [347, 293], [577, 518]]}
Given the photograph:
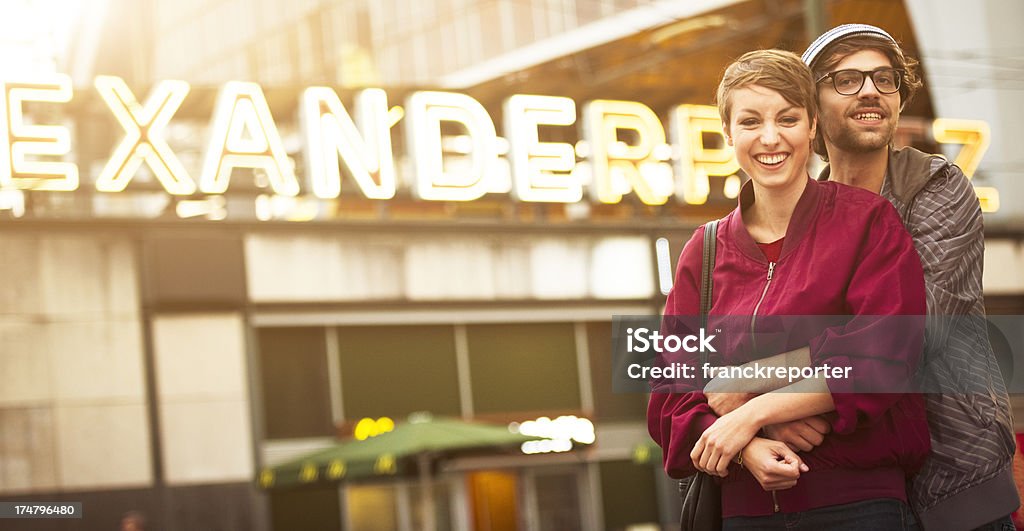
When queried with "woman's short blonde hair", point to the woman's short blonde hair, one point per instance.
{"points": [[779, 70]]}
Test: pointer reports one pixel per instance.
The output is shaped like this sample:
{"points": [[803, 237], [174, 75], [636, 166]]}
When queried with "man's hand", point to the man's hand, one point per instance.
{"points": [[724, 403], [800, 435], [772, 464], [723, 441]]}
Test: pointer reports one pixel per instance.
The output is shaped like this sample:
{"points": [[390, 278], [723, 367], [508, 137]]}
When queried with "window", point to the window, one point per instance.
{"points": [[523, 367], [558, 501], [371, 506], [609, 405], [397, 370], [627, 490], [293, 371], [307, 508]]}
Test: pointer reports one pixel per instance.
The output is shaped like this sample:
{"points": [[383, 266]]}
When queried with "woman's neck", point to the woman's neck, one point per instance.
{"points": [[768, 217]]}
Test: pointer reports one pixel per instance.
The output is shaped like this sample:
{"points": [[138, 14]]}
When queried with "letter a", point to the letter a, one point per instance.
{"points": [[241, 109]]}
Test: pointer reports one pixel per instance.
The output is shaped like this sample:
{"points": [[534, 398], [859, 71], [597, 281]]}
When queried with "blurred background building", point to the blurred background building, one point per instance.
{"points": [[158, 350]]}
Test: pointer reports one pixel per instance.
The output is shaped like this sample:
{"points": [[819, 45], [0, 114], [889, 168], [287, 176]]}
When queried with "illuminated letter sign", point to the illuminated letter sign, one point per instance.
{"points": [[143, 140], [19, 141], [973, 134], [618, 167], [541, 170], [330, 132], [454, 151], [425, 111], [244, 135], [696, 162]]}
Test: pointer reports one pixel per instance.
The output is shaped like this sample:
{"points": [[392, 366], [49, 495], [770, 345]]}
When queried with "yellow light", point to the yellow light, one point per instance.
{"points": [[385, 464], [615, 164], [210, 208], [244, 135], [975, 136], [641, 454], [286, 208], [336, 469], [424, 113], [367, 427], [696, 162], [308, 472], [988, 197], [541, 171], [19, 140], [330, 132], [266, 478], [385, 424]]}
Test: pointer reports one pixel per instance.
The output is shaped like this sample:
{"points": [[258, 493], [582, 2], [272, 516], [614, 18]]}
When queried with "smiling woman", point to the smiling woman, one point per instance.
{"points": [[768, 108]]}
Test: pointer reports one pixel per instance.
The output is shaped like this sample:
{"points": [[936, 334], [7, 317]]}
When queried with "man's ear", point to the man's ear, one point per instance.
{"points": [[814, 128], [726, 134]]}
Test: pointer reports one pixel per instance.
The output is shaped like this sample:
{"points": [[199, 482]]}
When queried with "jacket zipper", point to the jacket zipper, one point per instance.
{"points": [[753, 340], [753, 318]]}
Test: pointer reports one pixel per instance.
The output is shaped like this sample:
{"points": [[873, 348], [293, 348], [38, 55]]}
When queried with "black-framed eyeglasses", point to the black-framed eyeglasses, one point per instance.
{"points": [[849, 82]]}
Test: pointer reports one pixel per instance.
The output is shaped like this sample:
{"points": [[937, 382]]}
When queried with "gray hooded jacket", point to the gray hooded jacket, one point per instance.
{"points": [[968, 478]]}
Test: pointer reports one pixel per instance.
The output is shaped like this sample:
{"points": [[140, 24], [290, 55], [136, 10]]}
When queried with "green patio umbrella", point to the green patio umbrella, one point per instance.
{"points": [[410, 447], [394, 452]]}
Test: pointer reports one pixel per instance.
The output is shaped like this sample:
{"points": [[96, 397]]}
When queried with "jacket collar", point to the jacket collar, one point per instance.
{"points": [[911, 167], [914, 169], [803, 218]]}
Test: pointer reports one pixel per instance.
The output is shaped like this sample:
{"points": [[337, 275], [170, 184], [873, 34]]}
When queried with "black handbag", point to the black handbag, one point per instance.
{"points": [[702, 495], [702, 503]]}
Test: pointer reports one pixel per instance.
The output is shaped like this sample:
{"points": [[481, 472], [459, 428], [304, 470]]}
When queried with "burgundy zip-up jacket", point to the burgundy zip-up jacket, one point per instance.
{"points": [[845, 253]]}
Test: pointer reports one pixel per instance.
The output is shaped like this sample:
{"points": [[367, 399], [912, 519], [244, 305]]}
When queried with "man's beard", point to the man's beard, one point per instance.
{"points": [[844, 137]]}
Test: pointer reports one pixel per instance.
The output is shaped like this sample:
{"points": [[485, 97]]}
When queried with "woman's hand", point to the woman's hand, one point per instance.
{"points": [[723, 441], [725, 403], [773, 464], [804, 434]]}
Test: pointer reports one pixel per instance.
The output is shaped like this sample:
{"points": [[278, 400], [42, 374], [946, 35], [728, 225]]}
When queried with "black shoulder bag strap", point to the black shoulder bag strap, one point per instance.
{"points": [[706, 281], [701, 496]]}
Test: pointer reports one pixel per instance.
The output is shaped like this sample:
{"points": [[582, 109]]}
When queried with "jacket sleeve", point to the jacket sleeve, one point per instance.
{"points": [[947, 229], [678, 414], [883, 340], [945, 222]]}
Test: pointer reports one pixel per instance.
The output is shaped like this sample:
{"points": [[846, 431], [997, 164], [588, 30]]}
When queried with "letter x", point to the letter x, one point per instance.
{"points": [[143, 141]]}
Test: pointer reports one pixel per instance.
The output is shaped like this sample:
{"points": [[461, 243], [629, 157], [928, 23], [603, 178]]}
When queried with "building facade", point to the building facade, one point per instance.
{"points": [[162, 346]]}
